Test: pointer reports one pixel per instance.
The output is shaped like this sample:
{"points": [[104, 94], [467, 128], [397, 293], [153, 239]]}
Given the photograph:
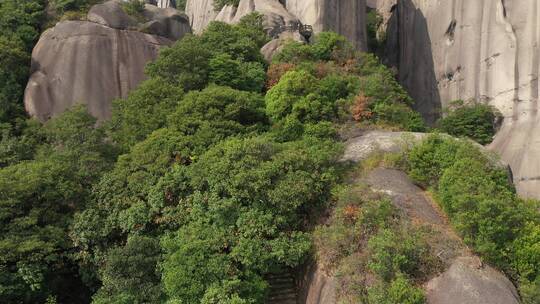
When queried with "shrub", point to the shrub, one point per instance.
{"points": [[392, 253], [143, 111], [246, 76], [428, 160], [185, 63], [476, 121], [276, 71], [482, 205], [134, 8], [398, 115], [530, 291], [399, 291], [325, 47], [219, 4]]}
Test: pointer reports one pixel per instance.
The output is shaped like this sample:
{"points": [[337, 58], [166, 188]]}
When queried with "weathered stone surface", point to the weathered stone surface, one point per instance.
{"points": [[346, 17], [404, 194], [362, 146], [85, 62], [96, 62], [167, 22], [468, 281], [275, 45], [486, 50], [200, 13], [316, 287], [111, 14]]}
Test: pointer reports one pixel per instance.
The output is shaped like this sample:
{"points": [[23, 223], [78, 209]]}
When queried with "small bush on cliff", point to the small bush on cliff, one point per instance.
{"points": [[219, 4], [475, 121]]}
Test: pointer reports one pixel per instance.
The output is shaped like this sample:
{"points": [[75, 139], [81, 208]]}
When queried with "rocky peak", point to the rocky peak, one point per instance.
{"points": [[99, 59]]}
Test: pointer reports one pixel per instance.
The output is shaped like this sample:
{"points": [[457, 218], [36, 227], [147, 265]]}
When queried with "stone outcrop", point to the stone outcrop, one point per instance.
{"points": [[468, 281], [487, 50], [346, 17], [316, 287], [96, 61], [200, 13]]}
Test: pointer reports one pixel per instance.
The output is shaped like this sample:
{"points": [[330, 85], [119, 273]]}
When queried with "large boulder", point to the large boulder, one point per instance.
{"points": [[96, 61], [469, 281], [482, 50]]}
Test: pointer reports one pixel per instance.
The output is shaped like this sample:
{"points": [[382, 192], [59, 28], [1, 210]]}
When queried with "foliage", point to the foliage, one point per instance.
{"points": [[402, 252], [476, 121], [399, 290], [326, 46], [373, 22], [302, 96], [481, 204], [181, 5], [135, 9], [39, 197], [65, 6], [219, 4], [224, 54], [374, 252], [20, 23], [369, 90], [428, 160], [185, 63], [242, 219], [400, 115], [246, 76], [130, 273], [143, 111]]}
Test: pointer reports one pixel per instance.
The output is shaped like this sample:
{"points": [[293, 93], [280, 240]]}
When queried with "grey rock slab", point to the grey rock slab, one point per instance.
{"points": [[468, 281], [361, 147]]}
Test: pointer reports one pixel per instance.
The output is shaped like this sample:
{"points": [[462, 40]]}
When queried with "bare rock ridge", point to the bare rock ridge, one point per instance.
{"points": [[346, 17], [95, 61], [486, 50], [465, 279]]}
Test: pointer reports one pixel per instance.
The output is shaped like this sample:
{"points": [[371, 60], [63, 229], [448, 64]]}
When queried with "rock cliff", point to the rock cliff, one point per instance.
{"points": [[487, 50], [97, 60], [346, 17]]}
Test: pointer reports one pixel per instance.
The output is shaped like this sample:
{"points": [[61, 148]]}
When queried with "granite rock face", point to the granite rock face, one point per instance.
{"points": [[200, 13], [487, 50], [345, 17], [96, 61]]}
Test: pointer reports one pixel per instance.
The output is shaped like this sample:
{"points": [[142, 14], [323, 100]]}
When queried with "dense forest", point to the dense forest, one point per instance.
{"points": [[212, 174]]}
